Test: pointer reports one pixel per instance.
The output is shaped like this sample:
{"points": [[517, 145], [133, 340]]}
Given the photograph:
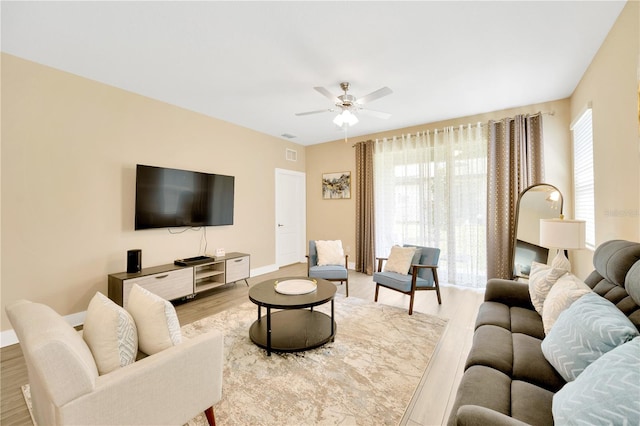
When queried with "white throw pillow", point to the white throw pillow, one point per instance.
{"points": [[400, 259], [541, 279], [156, 319], [110, 332], [330, 252], [566, 290]]}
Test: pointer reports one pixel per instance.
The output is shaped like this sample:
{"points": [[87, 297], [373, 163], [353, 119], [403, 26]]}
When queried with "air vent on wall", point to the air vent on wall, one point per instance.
{"points": [[292, 155]]}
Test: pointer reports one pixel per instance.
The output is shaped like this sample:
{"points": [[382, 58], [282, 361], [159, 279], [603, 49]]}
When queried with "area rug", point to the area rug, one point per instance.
{"points": [[366, 376]]}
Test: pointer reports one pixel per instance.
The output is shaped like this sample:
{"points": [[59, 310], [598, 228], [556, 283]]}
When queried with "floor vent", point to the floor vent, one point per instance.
{"points": [[292, 155]]}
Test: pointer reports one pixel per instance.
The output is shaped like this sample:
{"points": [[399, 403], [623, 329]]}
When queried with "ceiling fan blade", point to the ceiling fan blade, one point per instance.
{"points": [[324, 92], [375, 95], [377, 114], [314, 112]]}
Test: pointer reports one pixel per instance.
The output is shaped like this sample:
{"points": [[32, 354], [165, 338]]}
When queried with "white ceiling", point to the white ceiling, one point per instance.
{"points": [[255, 63]]}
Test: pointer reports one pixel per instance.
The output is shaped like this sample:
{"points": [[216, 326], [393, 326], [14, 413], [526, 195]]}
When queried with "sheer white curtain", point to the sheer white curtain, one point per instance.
{"points": [[430, 189]]}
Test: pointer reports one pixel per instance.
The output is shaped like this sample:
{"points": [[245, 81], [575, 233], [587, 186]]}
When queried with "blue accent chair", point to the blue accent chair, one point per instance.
{"points": [[423, 275], [327, 272]]}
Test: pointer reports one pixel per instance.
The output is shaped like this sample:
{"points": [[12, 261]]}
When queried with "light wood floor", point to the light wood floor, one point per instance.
{"points": [[432, 400]]}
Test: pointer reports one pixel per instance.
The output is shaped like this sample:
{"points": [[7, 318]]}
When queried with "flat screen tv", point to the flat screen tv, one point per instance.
{"points": [[167, 198]]}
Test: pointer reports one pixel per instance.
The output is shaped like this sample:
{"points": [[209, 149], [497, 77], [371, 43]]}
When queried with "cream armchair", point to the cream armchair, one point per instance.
{"points": [[170, 387]]}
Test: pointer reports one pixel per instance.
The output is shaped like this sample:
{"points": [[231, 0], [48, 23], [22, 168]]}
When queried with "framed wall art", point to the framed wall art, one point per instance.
{"points": [[336, 185]]}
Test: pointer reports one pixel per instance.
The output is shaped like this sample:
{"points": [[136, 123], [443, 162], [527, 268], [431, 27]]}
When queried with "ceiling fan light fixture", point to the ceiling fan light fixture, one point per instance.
{"points": [[345, 118]]}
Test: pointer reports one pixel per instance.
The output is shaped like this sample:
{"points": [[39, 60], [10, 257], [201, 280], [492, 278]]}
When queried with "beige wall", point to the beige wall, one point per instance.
{"points": [[69, 150], [610, 84], [336, 218]]}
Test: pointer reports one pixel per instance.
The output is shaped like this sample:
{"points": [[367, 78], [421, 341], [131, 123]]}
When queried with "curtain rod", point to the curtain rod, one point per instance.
{"points": [[551, 113]]}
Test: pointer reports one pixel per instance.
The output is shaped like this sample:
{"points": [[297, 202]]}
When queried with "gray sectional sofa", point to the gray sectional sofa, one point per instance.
{"points": [[507, 379]]}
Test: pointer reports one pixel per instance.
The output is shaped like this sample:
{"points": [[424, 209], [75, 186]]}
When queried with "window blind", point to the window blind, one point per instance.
{"points": [[583, 175]]}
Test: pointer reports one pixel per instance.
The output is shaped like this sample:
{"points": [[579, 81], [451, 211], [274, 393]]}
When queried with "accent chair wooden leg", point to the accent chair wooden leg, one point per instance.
{"points": [[346, 283], [375, 299], [411, 303], [210, 416], [437, 284]]}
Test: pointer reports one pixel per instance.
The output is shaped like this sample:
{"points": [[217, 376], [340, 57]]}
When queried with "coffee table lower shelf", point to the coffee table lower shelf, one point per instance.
{"points": [[293, 330]]}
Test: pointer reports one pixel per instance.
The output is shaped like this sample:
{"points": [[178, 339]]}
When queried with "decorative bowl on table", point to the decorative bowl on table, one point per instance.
{"points": [[296, 286]]}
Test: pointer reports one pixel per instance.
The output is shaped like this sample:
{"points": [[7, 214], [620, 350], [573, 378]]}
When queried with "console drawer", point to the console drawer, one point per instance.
{"points": [[168, 285], [237, 269]]}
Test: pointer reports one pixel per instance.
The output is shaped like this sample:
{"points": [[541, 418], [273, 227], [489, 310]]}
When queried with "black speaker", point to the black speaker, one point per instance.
{"points": [[134, 261]]}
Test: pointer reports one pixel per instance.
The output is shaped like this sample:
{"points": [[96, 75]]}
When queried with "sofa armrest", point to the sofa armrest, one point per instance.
{"points": [[511, 293], [169, 387], [474, 415]]}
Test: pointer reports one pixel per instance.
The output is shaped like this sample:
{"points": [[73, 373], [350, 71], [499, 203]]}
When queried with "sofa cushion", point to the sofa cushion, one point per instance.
{"points": [[399, 260], [526, 321], [515, 318], [531, 404], [330, 252], [110, 333], [492, 347], [485, 387], [156, 320], [530, 365], [591, 327], [567, 290], [608, 389], [542, 278], [494, 313]]}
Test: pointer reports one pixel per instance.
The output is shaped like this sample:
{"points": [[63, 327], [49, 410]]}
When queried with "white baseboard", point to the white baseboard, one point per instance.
{"points": [[263, 270]]}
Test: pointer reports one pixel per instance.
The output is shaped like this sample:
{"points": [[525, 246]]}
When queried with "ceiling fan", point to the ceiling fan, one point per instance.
{"points": [[348, 105]]}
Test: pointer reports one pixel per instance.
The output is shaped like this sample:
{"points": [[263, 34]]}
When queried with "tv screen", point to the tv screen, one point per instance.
{"points": [[167, 198]]}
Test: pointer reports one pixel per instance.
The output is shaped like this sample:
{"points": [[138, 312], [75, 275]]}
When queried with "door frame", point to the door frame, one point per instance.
{"points": [[303, 212]]}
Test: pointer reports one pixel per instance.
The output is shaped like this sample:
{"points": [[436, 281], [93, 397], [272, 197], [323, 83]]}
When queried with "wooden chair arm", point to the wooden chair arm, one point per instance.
{"points": [[346, 261], [416, 265], [380, 259]]}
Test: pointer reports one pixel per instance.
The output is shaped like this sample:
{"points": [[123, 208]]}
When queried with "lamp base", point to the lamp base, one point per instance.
{"points": [[561, 261]]}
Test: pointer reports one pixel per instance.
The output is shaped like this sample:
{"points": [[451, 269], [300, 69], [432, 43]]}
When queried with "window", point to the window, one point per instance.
{"points": [[583, 175], [430, 190]]}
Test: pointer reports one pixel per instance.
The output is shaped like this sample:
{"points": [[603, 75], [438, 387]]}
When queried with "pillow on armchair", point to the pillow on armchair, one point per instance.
{"points": [[400, 259], [330, 252], [111, 334], [156, 320]]}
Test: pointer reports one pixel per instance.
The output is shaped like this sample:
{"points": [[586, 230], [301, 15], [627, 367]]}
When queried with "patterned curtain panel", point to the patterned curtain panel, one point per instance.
{"points": [[430, 190], [365, 228], [515, 161]]}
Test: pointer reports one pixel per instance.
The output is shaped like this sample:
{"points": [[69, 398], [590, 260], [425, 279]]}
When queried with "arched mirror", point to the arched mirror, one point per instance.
{"points": [[541, 201]]}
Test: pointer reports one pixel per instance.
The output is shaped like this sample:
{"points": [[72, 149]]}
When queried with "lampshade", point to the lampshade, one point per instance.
{"points": [[345, 118], [562, 233]]}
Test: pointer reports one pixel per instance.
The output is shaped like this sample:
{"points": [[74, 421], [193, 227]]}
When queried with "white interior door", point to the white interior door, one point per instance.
{"points": [[290, 217]]}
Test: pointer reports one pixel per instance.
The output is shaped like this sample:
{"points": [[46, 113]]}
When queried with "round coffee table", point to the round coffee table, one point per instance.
{"points": [[296, 327]]}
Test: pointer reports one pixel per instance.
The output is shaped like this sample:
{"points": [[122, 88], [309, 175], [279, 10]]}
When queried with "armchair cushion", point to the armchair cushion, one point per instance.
{"points": [[330, 252], [156, 320], [400, 259], [329, 272], [111, 334], [398, 281]]}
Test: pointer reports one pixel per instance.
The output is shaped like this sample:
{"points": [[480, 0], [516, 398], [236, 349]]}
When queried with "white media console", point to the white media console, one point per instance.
{"points": [[175, 282]]}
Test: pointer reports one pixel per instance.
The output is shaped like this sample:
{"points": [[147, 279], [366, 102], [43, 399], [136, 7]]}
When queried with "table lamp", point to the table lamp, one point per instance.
{"points": [[562, 234]]}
